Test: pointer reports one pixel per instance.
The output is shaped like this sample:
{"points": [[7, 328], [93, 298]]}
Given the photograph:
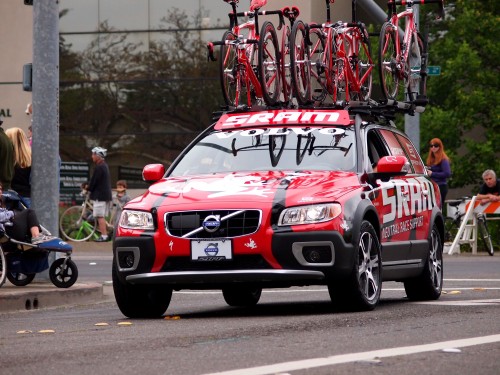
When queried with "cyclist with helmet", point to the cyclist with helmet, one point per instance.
{"points": [[100, 191]]}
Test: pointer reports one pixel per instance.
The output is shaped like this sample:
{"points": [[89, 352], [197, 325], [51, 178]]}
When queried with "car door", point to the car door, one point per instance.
{"points": [[415, 198], [389, 198]]}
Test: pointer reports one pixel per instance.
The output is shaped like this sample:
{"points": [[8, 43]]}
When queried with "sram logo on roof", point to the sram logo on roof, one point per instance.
{"points": [[284, 117]]}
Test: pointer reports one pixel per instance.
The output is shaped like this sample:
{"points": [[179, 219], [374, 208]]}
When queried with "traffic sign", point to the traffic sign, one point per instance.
{"points": [[434, 70]]}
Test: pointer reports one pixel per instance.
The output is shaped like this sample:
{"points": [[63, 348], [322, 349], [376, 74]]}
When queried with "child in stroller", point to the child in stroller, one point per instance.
{"points": [[25, 246]]}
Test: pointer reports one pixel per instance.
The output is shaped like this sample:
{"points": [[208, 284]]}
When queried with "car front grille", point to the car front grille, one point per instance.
{"points": [[229, 223]]}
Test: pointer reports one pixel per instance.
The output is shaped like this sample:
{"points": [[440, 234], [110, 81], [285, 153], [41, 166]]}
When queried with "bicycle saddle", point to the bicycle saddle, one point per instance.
{"points": [[257, 4]]}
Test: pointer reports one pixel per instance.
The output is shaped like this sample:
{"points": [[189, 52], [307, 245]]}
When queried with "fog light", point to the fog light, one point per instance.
{"points": [[317, 254], [129, 260]]}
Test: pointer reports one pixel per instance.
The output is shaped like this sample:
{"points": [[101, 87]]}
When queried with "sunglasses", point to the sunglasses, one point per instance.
{"points": [[434, 145]]}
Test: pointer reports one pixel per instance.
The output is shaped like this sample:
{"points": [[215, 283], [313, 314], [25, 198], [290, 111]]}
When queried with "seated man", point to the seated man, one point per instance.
{"points": [[20, 224], [490, 190]]}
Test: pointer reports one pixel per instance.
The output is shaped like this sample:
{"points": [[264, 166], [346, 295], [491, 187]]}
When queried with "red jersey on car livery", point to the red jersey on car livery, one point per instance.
{"points": [[281, 198]]}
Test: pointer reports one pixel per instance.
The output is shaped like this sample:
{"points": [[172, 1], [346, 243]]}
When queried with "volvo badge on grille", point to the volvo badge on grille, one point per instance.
{"points": [[211, 223]]}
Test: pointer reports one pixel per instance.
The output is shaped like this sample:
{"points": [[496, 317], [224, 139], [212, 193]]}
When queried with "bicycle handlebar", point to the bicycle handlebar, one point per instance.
{"points": [[393, 3], [210, 45]]}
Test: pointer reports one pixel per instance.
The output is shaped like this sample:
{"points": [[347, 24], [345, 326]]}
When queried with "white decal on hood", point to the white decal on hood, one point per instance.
{"points": [[227, 186]]}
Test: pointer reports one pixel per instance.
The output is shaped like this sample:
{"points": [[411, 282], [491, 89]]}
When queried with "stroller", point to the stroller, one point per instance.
{"points": [[20, 261]]}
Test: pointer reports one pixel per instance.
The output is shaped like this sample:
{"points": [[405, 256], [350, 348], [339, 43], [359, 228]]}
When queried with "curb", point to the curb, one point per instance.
{"points": [[44, 295]]}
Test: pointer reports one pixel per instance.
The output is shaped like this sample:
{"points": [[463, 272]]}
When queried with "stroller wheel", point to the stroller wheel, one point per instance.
{"points": [[3, 267], [63, 275], [20, 279]]}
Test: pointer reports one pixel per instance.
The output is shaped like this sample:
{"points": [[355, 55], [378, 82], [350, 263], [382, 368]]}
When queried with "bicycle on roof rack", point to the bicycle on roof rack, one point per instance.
{"points": [[403, 59], [249, 66], [331, 60], [452, 224]]}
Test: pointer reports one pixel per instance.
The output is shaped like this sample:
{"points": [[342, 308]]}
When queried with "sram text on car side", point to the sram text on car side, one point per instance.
{"points": [[281, 198]]}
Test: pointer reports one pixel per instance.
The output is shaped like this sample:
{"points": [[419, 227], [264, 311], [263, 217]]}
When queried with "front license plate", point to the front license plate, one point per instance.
{"points": [[211, 250]]}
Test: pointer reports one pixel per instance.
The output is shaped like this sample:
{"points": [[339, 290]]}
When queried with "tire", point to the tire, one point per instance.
{"points": [[414, 67], [3, 267], [286, 76], [364, 68], [300, 64], [429, 284], [269, 64], [63, 275], [319, 65], [242, 296], [20, 279], [390, 75], [140, 301], [361, 290], [228, 71], [74, 226], [451, 228], [484, 234], [423, 74]]}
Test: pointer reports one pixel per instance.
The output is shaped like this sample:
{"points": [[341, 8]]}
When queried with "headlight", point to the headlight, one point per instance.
{"points": [[136, 220], [315, 213]]}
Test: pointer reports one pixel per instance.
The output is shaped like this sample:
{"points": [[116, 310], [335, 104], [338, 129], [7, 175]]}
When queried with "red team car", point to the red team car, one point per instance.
{"points": [[281, 198]]}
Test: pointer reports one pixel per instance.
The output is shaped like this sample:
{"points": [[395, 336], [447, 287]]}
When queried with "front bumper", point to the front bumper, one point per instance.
{"points": [[180, 272]]}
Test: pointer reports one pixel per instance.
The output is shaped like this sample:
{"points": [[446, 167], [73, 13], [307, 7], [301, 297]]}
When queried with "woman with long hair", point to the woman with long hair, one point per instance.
{"points": [[21, 182], [438, 167]]}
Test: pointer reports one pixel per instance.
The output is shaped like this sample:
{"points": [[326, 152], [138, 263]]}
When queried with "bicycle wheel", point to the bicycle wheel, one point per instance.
{"points": [[363, 67], [390, 73], [269, 64], [414, 66], [451, 228], [484, 234], [74, 226], [3, 267], [286, 76], [319, 65], [299, 60], [228, 71]]}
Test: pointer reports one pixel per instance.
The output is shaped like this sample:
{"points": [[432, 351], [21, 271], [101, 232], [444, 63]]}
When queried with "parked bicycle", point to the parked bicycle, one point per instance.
{"points": [[403, 60], [249, 65], [452, 224], [78, 224]]}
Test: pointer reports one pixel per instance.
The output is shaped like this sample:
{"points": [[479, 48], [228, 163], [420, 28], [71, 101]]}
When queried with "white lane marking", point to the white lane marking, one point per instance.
{"points": [[473, 302], [474, 280], [362, 356]]}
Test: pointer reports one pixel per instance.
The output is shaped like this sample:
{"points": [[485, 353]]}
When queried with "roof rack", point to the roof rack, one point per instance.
{"points": [[387, 109]]}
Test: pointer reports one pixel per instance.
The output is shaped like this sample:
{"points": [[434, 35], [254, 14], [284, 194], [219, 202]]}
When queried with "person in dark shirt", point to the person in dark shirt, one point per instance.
{"points": [[490, 189], [21, 182], [438, 167], [6, 158], [100, 191]]}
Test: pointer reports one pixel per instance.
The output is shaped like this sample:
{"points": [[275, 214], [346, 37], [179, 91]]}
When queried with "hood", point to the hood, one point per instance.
{"points": [[248, 188]]}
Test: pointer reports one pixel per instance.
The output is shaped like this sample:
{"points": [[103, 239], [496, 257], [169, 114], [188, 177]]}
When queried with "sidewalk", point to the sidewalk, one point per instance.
{"points": [[44, 294]]}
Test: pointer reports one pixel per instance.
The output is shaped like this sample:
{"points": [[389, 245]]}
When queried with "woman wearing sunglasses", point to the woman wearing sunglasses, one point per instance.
{"points": [[438, 167]]}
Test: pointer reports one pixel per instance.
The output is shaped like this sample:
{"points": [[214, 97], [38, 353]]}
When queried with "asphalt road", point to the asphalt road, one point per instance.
{"points": [[291, 331]]}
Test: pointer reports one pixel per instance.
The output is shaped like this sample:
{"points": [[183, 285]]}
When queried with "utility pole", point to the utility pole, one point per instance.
{"points": [[45, 147]]}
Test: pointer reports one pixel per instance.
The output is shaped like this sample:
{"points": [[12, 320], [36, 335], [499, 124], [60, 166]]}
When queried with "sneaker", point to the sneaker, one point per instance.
{"points": [[41, 238], [102, 239]]}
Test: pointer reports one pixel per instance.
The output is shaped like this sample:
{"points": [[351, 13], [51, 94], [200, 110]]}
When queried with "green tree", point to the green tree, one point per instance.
{"points": [[463, 111]]}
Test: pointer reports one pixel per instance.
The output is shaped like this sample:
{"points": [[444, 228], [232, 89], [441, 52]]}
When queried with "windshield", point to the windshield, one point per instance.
{"points": [[265, 149]]}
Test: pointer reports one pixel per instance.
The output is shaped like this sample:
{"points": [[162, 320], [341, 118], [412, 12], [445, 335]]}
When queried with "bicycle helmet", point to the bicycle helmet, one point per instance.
{"points": [[99, 151]]}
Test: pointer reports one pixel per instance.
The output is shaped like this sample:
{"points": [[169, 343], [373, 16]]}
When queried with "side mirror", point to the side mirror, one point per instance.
{"points": [[153, 172], [390, 166]]}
